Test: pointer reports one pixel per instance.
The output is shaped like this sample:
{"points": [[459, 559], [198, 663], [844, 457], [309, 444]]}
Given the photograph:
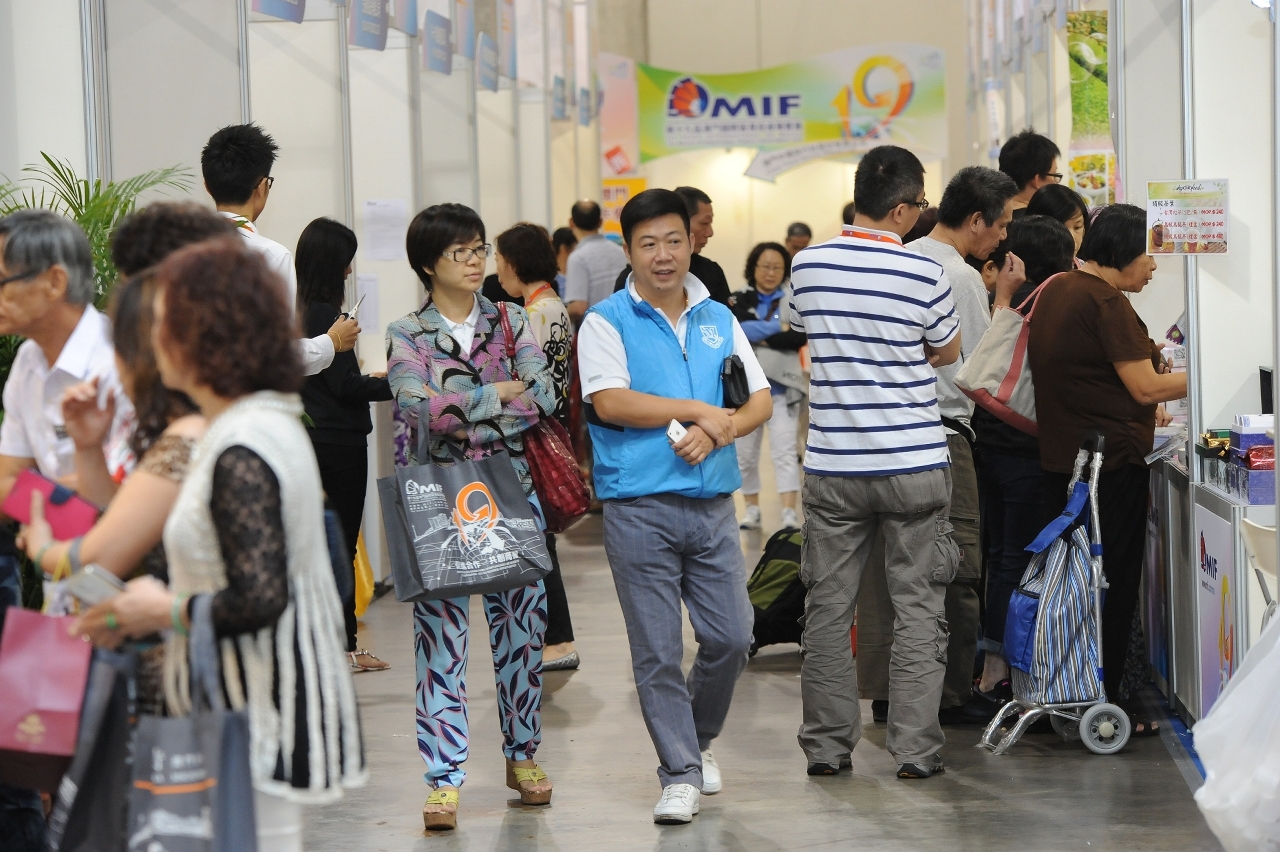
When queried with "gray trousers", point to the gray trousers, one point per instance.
{"points": [[664, 549], [842, 517], [964, 611]]}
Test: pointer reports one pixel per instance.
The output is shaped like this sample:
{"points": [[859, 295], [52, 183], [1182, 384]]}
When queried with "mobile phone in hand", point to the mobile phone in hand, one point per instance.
{"points": [[676, 432], [94, 585]]}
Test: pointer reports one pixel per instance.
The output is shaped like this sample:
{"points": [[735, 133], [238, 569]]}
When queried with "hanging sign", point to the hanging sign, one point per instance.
{"points": [[1187, 217], [464, 28], [285, 10], [837, 104], [619, 116], [368, 24], [403, 16], [486, 62], [437, 49]]}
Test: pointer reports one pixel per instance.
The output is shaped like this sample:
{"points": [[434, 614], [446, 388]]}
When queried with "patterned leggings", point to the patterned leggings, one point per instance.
{"points": [[517, 625]]}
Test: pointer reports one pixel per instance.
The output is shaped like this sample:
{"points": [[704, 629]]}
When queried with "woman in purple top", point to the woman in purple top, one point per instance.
{"points": [[449, 372]]}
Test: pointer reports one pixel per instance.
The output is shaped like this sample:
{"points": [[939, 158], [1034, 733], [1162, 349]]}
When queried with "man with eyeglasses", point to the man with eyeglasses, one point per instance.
{"points": [[975, 211], [47, 287], [1032, 161], [236, 164], [879, 318]]}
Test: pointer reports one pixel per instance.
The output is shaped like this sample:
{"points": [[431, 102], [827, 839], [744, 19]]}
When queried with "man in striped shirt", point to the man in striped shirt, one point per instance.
{"points": [[879, 319]]}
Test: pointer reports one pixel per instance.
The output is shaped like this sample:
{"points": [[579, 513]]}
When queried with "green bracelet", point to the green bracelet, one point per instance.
{"points": [[175, 615]]}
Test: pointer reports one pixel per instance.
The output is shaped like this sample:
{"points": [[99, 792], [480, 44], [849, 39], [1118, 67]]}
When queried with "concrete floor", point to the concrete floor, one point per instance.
{"points": [[1046, 795]]}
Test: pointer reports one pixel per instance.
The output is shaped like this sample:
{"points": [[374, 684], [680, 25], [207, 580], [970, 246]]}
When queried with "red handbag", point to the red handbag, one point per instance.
{"points": [[556, 476], [43, 674]]}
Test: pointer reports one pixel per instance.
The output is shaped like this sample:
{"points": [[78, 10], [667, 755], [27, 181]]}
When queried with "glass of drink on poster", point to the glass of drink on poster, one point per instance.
{"points": [[1187, 217]]}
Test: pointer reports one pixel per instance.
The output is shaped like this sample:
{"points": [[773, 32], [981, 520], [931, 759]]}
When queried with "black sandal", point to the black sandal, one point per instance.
{"points": [[1151, 727]]}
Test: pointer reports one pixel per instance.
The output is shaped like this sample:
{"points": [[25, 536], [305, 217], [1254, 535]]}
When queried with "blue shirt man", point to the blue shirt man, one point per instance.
{"points": [[650, 354]]}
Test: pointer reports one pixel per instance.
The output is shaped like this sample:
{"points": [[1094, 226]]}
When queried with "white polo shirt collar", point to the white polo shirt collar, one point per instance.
{"points": [[693, 288]]}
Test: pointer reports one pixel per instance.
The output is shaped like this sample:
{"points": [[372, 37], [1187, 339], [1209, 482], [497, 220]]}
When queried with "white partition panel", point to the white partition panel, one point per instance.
{"points": [[448, 136], [382, 161], [296, 96], [497, 166], [173, 76]]}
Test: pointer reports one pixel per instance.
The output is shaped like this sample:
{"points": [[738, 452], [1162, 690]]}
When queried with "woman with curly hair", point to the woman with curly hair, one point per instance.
{"points": [[246, 539], [451, 376]]}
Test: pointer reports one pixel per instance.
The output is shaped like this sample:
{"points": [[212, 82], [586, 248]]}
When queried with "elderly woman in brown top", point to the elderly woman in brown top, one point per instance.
{"points": [[1096, 369]]}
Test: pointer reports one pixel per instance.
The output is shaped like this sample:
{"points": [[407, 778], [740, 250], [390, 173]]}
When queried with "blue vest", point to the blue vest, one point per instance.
{"points": [[637, 462]]}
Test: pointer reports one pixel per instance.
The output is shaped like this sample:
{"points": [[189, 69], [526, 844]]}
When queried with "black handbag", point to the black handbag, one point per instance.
{"points": [[733, 375]]}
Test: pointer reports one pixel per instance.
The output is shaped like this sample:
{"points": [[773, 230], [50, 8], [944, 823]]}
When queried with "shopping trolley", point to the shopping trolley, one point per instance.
{"points": [[1053, 638]]}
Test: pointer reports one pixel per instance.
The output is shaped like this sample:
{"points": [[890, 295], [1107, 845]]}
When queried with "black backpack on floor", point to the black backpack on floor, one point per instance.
{"points": [[775, 590]]}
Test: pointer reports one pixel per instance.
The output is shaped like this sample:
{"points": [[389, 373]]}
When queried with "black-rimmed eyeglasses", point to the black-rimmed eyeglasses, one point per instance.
{"points": [[462, 255], [270, 182], [923, 203], [1056, 177], [22, 276]]}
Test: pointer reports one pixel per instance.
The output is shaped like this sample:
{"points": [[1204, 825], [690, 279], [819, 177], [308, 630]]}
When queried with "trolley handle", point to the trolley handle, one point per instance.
{"points": [[1094, 442]]}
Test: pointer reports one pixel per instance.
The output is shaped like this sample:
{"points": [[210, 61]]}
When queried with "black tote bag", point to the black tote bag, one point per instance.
{"points": [[192, 787], [460, 529]]}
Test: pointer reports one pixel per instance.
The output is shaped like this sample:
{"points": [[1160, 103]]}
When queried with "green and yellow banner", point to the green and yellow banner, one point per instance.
{"points": [[837, 104]]}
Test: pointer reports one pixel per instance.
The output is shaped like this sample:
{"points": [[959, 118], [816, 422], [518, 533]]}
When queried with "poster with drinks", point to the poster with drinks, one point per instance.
{"points": [[1187, 217]]}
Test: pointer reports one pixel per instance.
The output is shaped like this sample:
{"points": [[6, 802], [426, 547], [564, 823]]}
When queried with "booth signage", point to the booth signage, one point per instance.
{"points": [[837, 104], [285, 10], [1187, 217], [559, 99], [617, 192], [486, 62], [369, 21], [1215, 602], [437, 48], [507, 39]]}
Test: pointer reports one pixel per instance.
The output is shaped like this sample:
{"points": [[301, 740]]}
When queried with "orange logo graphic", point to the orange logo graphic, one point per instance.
{"points": [[482, 517], [31, 730]]}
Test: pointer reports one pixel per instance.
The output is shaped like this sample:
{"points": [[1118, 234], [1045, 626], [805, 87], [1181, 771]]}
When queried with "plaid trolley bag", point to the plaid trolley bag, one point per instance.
{"points": [[1053, 637]]}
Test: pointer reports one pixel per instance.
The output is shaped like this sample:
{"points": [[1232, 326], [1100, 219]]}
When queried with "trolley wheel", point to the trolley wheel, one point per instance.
{"points": [[1068, 729], [1104, 728]]}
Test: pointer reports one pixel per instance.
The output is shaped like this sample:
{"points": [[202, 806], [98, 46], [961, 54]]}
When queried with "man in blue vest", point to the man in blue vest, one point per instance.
{"points": [[648, 355]]}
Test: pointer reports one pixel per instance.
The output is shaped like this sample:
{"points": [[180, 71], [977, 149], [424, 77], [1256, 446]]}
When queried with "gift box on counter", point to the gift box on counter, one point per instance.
{"points": [[1215, 473], [1241, 441], [1254, 487]]}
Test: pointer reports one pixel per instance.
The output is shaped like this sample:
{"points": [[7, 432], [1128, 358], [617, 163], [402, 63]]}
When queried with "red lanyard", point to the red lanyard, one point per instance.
{"points": [[850, 231], [532, 297]]}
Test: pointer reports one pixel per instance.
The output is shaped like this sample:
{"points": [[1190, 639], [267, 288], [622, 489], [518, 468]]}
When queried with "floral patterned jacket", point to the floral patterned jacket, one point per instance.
{"points": [[421, 354]]}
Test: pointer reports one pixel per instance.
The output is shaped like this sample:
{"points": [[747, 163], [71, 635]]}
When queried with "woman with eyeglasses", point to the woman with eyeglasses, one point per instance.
{"points": [[450, 374], [762, 311]]}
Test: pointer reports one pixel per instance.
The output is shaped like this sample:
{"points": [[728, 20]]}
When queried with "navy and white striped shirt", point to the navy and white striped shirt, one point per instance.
{"points": [[868, 306]]}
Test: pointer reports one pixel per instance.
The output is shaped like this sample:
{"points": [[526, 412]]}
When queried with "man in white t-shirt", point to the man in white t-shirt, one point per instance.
{"points": [[236, 163], [651, 354]]}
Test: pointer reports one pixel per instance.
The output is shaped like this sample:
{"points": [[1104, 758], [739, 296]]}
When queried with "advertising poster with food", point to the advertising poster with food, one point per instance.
{"points": [[838, 104], [1091, 166], [1187, 217]]}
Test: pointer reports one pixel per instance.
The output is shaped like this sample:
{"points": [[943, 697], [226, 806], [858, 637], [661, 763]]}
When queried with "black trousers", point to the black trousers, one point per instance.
{"points": [[1122, 507], [559, 623], [344, 474]]}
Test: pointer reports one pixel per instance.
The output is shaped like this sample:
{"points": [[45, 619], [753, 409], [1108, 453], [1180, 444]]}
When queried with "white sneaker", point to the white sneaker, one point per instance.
{"points": [[711, 783], [751, 520], [790, 518], [677, 806]]}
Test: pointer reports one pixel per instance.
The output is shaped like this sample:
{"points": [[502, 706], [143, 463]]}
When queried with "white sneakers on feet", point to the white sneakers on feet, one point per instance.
{"points": [[751, 520], [790, 518], [711, 783], [677, 806]]}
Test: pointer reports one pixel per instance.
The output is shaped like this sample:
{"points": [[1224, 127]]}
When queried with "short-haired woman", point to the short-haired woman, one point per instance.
{"points": [[526, 266], [1096, 369], [1064, 204], [337, 398], [761, 308], [247, 529], [1010, 479], [449, 371]]}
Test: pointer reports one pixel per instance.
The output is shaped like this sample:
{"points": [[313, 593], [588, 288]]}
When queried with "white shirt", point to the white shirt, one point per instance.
{"points": [[602, 357], [317, 352], [33, 425], [592, 269], [970, 296], [869, 306], [464, 332]]}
